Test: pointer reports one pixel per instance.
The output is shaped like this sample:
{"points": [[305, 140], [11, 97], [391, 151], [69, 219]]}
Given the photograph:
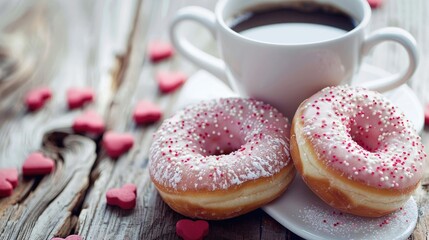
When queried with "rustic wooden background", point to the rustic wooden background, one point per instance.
{"points": [[102, 44]]}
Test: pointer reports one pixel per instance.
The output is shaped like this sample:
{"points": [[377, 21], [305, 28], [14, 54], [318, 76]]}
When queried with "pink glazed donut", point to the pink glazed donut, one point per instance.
{"points": [[222, 158], [356, 151]]}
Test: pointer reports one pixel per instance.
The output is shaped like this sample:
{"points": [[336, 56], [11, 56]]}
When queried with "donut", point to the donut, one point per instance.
{"points": [[221, 158], [356, 150]]}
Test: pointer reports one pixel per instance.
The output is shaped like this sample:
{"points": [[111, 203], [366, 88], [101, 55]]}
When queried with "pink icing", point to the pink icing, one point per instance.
{"points": [[362, 135], [219, 143]]}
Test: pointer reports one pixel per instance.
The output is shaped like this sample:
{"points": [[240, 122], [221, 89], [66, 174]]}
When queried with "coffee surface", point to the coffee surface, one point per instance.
{"points": [[294, 23]]}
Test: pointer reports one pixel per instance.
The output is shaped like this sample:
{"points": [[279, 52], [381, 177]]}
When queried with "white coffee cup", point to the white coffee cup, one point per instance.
{"points": [[286, 74]]}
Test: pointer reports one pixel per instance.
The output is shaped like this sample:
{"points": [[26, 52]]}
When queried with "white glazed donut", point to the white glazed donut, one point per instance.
{"points": [[222, 158], [356, 150]]}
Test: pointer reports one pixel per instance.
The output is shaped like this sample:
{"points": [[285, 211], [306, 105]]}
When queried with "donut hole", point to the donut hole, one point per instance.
{"points": [[221, 142], [365, 131]]}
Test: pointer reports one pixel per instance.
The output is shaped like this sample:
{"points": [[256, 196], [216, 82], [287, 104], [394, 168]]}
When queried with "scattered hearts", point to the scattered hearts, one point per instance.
{"points": [[36, 98], [8, 181], [37, 164], [117, 144], [124, 197], [77, 97], [89, 122], [375, 3], [159, 51], [71, 237], [190, 230], [170, 81], [427, 115], [146, 112]]}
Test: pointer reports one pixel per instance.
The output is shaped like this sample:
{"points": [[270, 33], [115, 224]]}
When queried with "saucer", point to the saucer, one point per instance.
{"points": [[303, 213], [299, 209]]}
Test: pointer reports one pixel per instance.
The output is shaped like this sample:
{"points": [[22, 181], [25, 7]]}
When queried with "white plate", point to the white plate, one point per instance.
{"points": [[299, 209], [302, 212]]}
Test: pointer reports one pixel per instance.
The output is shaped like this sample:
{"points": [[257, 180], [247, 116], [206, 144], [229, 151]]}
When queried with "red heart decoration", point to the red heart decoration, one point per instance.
{"points": [[77, 97], [146, 112], [159, 51], [71, 237], [116, 144], [124, 197], [375, 3], [190, 230], [8, 181], [170, 81], [37, 164], [36, 98], [89, 122], [427, 115]]}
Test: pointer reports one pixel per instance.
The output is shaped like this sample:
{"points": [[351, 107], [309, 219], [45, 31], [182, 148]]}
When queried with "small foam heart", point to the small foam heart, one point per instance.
{"points": [[159, 50], [89, 122], [170, 81], [124, 197], [77, 97], [8, 181], [71, 237], [146, 112], [117, 144], [36, 98], [190, 230], [37, 164], [375, 3]]}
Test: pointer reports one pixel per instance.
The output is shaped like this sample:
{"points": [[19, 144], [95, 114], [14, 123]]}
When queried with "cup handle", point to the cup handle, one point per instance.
{"points": [[200, 58], [407, 41]]}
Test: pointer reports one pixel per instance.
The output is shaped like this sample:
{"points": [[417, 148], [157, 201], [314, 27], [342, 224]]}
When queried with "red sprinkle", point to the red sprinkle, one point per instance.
{"points": [[159, 50], [375, 3], [71, 237], [147, 112], [36, 164], [427, 115], [170, 81], [190, 230], [79, 96], [124, 197], [36, 98], [8, 181], [89, 122], [116, 144]]}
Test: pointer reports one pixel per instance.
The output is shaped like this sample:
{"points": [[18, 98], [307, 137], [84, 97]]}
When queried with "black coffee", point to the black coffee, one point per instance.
{"points": [[293, 23]]}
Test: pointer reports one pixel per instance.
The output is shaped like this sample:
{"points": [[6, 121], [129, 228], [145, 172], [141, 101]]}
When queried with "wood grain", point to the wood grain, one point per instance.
{"points": [[102, 44], [59, 44]]}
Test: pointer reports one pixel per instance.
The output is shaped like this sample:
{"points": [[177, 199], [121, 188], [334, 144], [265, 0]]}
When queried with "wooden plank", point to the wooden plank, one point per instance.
{"points": [[123, 224], [59, 44]]}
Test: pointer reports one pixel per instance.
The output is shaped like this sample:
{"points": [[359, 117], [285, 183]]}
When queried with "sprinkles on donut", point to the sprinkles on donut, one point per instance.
{"points": [[222, 158], [356, 150]]}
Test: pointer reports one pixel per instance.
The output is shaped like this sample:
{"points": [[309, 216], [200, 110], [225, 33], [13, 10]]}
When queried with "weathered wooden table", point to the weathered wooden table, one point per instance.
{"points": [[102, 44]]}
